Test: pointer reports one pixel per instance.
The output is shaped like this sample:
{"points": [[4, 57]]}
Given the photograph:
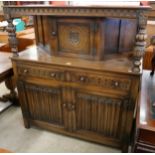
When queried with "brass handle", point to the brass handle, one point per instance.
{"points": [[25, 71], [53, 33], [73, 106], [69, 106], [82, 78], [116, 83], [53, 74], [64, 105]]}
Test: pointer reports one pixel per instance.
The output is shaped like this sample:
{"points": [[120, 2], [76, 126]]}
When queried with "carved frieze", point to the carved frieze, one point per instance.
{"points": [[99, 99], [101, 81], [73, 11]]}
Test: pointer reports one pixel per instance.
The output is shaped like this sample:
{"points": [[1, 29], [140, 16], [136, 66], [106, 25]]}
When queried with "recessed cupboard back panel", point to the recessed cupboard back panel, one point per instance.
{"points": [[91, 38]]}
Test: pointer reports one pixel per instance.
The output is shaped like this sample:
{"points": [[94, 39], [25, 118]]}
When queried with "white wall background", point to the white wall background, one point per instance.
{"points": [[106, 2]]}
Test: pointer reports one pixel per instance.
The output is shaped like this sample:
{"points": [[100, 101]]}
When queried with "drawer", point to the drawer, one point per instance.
{"points": [[79, 77], [102, 80], [40, 72]]}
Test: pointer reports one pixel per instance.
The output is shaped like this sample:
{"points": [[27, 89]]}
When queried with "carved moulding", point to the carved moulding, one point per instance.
{"points": [[140, 44], [73, 11], [68, 76]]}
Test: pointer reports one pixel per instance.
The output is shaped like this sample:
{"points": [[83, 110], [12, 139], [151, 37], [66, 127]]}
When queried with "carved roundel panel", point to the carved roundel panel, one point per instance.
{"points": [[74, 38]]}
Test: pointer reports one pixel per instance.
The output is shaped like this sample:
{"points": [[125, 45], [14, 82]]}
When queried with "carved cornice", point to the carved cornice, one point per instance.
{"points": [[74, 11]]}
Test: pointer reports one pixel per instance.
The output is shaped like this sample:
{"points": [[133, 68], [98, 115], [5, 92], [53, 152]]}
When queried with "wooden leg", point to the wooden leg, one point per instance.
{"points": [[12, 96], [125, 148], [26, 123], [125, 143], [153, 67]]}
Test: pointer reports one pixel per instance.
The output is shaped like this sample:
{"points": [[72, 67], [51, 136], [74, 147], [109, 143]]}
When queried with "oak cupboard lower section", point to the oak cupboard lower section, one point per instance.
{"points": [[84, 115], [94, 105]]}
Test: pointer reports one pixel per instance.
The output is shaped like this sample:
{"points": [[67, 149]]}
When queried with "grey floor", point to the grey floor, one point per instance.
{"points": [[14, 137]]}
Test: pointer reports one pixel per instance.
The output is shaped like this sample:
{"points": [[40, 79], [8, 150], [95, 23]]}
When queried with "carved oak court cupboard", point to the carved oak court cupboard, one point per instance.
{"points": [[82, 78]]}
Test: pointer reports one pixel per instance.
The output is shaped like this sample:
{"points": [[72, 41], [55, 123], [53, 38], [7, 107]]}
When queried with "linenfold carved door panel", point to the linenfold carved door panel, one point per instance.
{"points": [[101, 114], [44, 103]]}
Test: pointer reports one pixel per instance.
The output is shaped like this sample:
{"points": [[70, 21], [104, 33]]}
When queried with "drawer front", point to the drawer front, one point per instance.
{"points": [[79, 77], [102, 80], [40, 72]]}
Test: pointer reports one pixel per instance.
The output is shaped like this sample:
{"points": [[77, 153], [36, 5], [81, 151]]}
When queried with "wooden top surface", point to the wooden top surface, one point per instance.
{"points": [[76, 11], [81, 6], [5, 62], [146, 103], [119, 63]]}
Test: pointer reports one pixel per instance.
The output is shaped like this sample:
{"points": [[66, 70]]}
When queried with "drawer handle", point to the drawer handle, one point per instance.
{"points": [[53, 33], [70, 106], [64, 105], [82, 78], [73, 106], [25, 71], [116, 83], [53, 74]]}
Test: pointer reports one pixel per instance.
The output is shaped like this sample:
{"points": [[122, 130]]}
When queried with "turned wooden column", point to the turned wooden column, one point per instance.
{"points": [[13, 42], [140, 44], [11, 29]]}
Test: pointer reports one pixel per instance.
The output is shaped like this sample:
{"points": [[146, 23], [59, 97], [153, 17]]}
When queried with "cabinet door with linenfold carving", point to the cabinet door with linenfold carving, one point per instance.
{"points": [[43, 102], [101, 114]]}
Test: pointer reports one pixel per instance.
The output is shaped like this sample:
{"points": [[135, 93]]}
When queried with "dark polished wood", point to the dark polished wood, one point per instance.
{"points": [[145, 122], [80, 80], [6, 75], [6, 67], [147, 58]]}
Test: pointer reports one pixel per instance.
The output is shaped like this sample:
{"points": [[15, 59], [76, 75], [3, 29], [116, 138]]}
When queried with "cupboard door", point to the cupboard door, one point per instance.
{"points": [[100, 114], [44, 103], [73, 38]]}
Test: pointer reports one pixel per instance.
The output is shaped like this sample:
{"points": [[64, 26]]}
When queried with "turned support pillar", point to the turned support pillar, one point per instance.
{"points": [[11, 29], [140, 44]]}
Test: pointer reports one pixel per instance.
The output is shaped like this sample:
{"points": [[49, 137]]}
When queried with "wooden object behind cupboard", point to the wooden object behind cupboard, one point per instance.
{"points": [[145, 121], [147, 58], [80, 80]]}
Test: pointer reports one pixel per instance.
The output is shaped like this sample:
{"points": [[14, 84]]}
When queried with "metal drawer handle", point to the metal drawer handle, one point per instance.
{"points": [[25, 71], [73, 106], [82, 78], [116, 83], [64, 105], [53, 33], [53, 74]]}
